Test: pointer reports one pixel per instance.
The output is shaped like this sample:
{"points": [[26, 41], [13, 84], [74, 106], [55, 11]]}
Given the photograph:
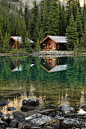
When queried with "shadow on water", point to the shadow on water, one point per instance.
{"points": [[56, 81]]}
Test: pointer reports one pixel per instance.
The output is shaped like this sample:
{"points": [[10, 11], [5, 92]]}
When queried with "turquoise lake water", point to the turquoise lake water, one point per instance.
{"points": [[54, 81]]}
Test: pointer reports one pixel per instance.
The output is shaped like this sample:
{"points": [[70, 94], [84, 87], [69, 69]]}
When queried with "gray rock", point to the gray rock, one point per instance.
{"points": [[66, 109], [69, 123], [59, 118], [3, 123], [14, 124], [41, 121], [27, 126], [1, 114], [47, 112], [7, 117], [19, 116], [38, 115]]}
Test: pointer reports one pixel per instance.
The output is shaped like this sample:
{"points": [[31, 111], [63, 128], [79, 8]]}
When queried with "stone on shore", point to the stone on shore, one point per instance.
{"points": [[69, 123], [26, 108], [33, 101], [67, 109]]}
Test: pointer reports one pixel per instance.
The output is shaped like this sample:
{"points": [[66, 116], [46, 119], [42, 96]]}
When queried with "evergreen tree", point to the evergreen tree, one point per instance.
{"points": [[63, 20], [17, 27], [1, 41], [79, 26], [23, 33], [71, 33], [53, 19], [37, 48], [28, 45], [34, 19], [6, 44]]}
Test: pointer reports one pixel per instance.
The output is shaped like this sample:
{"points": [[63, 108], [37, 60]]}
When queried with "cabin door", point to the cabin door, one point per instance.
{"points": [[53, 46]]}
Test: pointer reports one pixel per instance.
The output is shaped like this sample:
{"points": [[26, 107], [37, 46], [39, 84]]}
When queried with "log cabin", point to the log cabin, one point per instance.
{"points": [[16, 40], [53, 43]]}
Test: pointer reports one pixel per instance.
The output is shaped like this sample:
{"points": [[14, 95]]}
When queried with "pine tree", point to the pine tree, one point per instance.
{"points": [[37, 48], [6, 44], [34, 19], [79, 26], [23, 33], [71, 33], [53, 19], [17, 27], [28, 45], [63, 20], [1, 41]]}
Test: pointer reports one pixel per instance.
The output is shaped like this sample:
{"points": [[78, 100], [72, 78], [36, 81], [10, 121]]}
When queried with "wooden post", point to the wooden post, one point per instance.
{"points": [[16, 45]]}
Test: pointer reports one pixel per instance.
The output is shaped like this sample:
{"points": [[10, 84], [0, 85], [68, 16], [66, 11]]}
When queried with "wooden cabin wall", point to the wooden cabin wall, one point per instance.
{"points": [[60, 46], [49, 45]]}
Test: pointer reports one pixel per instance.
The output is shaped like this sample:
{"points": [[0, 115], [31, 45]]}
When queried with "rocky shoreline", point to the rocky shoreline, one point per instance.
{"points": [[55, 117], [46, 54]]}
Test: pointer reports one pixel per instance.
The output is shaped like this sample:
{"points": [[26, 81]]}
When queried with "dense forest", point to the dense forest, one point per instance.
{"points": [[47, 18]]}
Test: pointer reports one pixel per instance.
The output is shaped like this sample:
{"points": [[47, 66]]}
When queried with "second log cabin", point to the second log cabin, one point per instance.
{"points": [[54, 43]]}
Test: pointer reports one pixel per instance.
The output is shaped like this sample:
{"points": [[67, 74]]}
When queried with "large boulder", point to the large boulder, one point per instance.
{"points": [[67, 109], [38, 120], [33, 101]]}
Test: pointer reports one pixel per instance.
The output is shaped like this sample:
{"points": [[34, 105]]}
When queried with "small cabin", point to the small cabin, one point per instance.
{"points": [[16, 40], [53, 43]]}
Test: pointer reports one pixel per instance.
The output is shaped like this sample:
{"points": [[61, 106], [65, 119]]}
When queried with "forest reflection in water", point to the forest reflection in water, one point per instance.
{"points": [[55, 81]]}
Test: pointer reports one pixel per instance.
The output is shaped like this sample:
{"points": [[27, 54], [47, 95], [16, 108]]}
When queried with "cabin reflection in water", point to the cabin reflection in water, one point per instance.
{"points": [[15, 65], [54, 64]]}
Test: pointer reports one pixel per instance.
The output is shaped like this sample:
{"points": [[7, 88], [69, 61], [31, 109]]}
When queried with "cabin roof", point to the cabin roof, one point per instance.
{"points": [[58, 68], [19, 39], [56, 39]]}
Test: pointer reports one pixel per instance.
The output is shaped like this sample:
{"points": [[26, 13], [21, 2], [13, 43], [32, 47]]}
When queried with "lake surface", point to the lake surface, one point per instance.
{"points": [[54, 81]]}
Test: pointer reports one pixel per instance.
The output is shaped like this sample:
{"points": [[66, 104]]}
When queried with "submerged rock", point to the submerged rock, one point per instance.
{"points": [[30, 101], [11, 108], [83, 107], [3, 102]]}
